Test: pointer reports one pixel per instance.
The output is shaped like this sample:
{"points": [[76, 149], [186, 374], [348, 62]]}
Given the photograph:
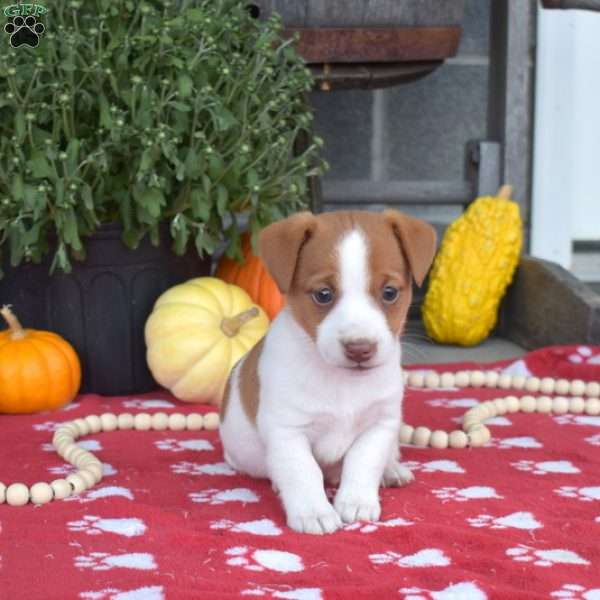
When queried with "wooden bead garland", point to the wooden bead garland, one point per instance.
{"points": [[89, 467], [586, 399]]}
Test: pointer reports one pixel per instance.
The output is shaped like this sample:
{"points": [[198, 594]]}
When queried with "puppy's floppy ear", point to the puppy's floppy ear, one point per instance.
{"points": [[280, 243], [417, 239]]}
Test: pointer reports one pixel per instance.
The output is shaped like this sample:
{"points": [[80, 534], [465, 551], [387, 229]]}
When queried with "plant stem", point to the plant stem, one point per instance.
{"points": [[232, 325], [17, 331]]}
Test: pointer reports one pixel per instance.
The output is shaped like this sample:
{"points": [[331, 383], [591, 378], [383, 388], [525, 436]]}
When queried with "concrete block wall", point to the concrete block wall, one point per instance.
{"points": [[411, 136]]}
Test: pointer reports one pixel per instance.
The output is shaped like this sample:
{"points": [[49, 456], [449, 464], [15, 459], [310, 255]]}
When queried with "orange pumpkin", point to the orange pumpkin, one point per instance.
{"points": [[253, 277], [39, 370]]}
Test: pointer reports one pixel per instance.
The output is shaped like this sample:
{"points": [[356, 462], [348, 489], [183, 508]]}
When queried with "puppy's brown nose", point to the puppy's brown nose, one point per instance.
{"points": [[359, 350]]}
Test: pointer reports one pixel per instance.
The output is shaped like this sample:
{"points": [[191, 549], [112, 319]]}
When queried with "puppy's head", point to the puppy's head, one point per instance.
{"points": [[347, 276]]}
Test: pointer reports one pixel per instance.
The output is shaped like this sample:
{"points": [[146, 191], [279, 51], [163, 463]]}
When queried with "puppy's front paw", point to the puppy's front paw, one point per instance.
{"points": [[315, 520], [354, 507], [395, 475]]}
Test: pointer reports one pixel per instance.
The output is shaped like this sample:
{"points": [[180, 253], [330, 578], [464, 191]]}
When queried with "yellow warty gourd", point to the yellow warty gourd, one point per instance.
{"points": [[474, 266]]}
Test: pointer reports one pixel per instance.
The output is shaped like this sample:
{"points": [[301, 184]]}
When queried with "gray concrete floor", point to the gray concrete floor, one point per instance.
{"points": [[417, 348]]}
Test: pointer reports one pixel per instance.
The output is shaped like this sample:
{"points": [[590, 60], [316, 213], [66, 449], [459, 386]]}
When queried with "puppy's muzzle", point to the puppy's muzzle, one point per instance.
{"points": [[359, 351]]}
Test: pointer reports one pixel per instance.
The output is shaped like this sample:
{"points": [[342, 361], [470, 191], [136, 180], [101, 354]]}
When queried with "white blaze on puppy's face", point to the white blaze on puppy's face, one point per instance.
{"points": [[355, 317]]}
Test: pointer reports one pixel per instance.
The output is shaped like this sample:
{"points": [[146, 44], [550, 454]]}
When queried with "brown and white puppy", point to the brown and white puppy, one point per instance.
{"points": [[320, 397]]}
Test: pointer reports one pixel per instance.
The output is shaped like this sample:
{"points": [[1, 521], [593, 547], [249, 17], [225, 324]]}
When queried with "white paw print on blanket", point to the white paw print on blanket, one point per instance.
{"points": [[454, 402], [87, 444], [564, 467], [516, 442], [545, 558], [259, 527], [594, 440], [261, 560], [103, 561], [585, 494], [47, 426], [284, 591], [190, 468], [93, 525], [67, 469], [573, 591], [108, 491], [372, 527], [458, 591], [172, 445], [518, 520], [584, 354], [585, 420], [152, 592], [474, 492], [429, 557], [145, 403], [444, 466], [213, 497]]}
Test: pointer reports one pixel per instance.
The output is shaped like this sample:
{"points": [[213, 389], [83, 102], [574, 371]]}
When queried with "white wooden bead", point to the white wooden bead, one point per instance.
{"points": [[71, 429], [527, 403], [576, 405], [560, 405], [95, 470], [160, 421], [505, 381], [547, 385], [88, 459], [592, 406], [513, 404], [416, 379], [211, 421], [477, 378], [491, 379], [63, 448], [500, 405], [405, 376], [142, 421], [490, 409], [439, 439], [543, 404], [194, 422], [82, 427], [532, 384], [125, 421], [462, 379], [432, 380], [70, 452], [592, 389], [41, 493], [421, 436], [470, 422], [458, 439], [62, 440], [94, 423], [78, 483], [518, 382], [61, 488], [17, 494], [562, 387], [406, 432], [81, 458], [2, 493], [447, 380], [109, 421], [177, 422], [479, 436], [62, 433], [88, 477], [577, 387]]}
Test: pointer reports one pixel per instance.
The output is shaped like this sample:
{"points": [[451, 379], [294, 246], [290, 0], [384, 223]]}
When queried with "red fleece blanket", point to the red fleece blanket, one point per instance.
{"points": [[519, 518]]}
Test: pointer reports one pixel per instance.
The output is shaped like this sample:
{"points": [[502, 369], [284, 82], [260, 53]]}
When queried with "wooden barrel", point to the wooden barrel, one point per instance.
{"points": [[364, 31]]}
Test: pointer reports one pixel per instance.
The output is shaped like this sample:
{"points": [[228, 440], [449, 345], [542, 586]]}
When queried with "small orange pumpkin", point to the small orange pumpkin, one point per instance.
{"points": [[253, 277], [39, 370]]}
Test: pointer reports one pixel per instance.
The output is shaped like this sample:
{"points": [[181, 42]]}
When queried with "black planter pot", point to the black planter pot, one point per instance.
{"points": [[101, 307]]}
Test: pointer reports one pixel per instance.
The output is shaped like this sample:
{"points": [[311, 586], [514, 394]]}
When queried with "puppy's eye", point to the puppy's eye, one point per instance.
{"points": [[389, 294], [323, 296]]}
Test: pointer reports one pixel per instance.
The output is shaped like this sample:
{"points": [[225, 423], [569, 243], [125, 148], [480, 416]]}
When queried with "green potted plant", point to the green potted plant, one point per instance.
{"points": [[136, 139]]}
